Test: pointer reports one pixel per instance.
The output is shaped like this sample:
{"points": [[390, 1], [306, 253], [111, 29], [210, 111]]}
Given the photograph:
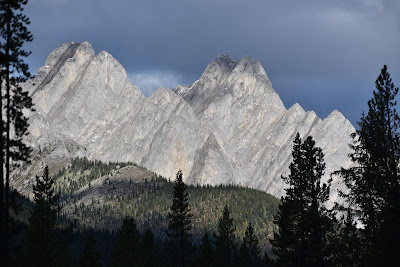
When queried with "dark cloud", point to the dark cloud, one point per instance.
{"points": [[324, 55]]}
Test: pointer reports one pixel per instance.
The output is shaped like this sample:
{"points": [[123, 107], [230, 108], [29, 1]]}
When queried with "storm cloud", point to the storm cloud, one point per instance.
{"points": [[324, 55]]}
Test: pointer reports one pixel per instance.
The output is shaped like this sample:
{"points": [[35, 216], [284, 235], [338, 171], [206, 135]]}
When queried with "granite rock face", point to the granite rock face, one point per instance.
{"points": [[229, 126]]}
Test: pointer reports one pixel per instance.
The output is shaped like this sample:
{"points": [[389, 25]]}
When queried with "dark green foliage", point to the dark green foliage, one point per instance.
{"points": [[373, 183], [42, 244], [90, 256], [303, 221], [225, 239], [126, 250], [180, 223], [151, 193], [13, 70], [346, 246], [206, 255], [249, 251], [43, 190], [148, 201]]}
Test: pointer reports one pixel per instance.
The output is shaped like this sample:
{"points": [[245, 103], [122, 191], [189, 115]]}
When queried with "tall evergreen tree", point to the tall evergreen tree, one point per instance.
{"points": [[225, 239], [345, 248], [126, 250], [303, 220], [180, 223], [249, 250], [374, 183], [13, 70], [41, 238]]}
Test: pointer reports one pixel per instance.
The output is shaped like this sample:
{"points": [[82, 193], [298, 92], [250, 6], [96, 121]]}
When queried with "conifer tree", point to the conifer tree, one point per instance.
{"points": [[373, 183], [303, 220], [41, 238], [127, 246], [90, 256], [346, 249], [13, 101], [225, 239], [249, 250], [180, 223]]}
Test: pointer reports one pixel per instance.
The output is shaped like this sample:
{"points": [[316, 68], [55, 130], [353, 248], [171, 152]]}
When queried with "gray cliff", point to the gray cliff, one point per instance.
{"points": [[229, 126]]}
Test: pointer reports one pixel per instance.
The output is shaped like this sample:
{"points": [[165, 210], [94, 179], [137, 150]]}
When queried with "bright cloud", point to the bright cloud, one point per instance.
{"points": [[150, 81]]}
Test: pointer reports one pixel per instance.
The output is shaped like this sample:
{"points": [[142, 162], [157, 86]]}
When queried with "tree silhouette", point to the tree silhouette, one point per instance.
{"points": [[346, 249], [41, 240], [249, 250], [373, 183], [180, 223], [225, 239], [127, 246], [13, 70], [303, 220]]}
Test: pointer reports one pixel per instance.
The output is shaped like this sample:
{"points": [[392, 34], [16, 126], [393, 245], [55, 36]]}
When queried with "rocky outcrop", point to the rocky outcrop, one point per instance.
{"points": [[229, 126]]}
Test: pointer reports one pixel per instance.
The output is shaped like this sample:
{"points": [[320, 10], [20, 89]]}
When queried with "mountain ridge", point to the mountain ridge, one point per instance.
{"points": [[229, 126]]}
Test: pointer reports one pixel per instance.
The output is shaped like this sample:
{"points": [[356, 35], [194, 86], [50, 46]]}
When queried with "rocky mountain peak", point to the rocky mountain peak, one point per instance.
{"points": [[229, 126], [224, 62]]}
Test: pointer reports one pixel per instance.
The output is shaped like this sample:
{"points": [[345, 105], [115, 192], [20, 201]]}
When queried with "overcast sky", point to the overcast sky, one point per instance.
{"points": [[323, 54]]}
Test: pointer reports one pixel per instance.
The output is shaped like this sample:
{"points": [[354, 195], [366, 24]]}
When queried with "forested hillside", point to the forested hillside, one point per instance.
{"points": [[100, 195]]}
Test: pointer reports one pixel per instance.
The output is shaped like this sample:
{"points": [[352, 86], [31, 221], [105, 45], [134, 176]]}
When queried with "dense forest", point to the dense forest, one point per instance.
{"points": [[148, 199], [100, 208], [91, 213]]}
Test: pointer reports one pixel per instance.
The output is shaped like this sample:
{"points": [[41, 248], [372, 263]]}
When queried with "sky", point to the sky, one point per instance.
{"points": [[322, 54]]}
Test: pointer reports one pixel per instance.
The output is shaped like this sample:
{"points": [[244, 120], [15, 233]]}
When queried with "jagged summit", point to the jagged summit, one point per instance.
{"points": [[224, 61], [229, 126]]}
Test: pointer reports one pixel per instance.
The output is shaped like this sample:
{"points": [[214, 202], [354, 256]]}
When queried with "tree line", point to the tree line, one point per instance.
{"points": [[363, 230]]}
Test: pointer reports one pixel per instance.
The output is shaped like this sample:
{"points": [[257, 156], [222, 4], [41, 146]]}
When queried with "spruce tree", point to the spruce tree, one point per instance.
{"points": [[13, 101], [249, 251], [303, 220], [126, 251], [41, 242], [345, 248], [225, 239], [373, 183], [180, 223]]}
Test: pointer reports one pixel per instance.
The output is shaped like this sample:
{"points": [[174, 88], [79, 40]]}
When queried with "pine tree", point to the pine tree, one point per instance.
{"points": [[90, 256], [41, 240], [249, 251], [180, 223], [13, 70], [373, 183], [345, 249], [225, 239], [127, 246], [303, 220]]}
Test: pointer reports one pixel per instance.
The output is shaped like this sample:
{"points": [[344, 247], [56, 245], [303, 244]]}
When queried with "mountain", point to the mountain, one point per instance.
{"points": [[229, 126]]}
